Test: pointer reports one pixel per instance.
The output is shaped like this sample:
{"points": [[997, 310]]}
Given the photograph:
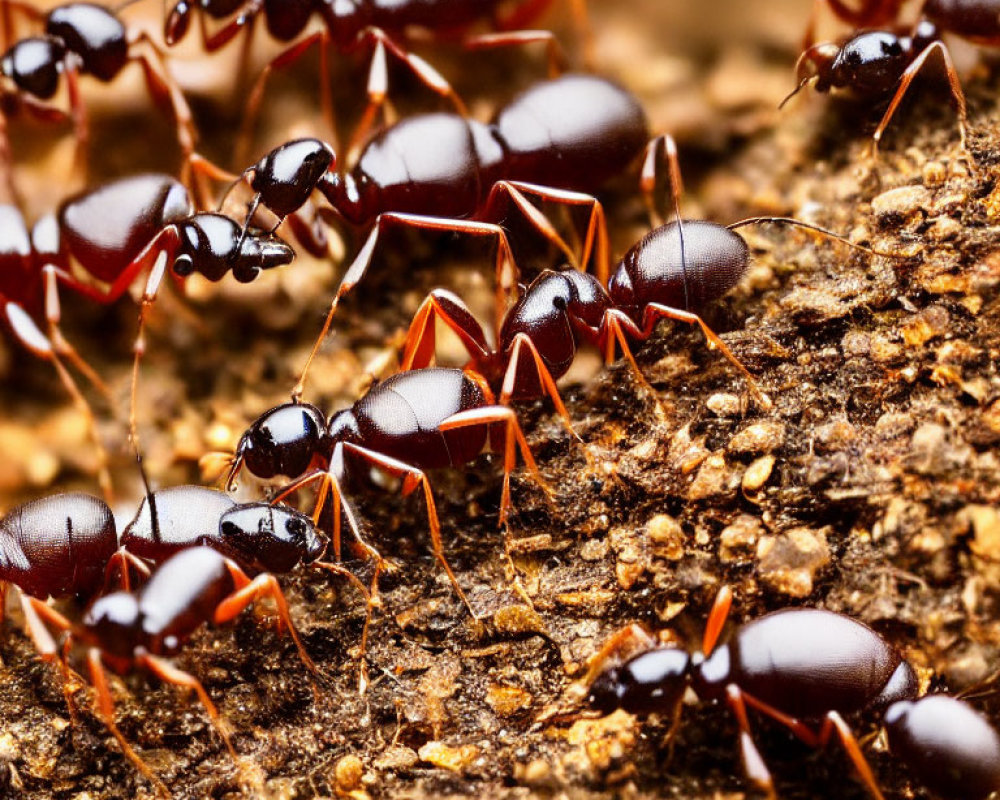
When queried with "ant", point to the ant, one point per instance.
{"points": [[97, 243], [411, 422], [86, 39], [368, 24], [879, 62], [866, 14], [574, 133], [206, 546], [673, 272], [802, 667]]}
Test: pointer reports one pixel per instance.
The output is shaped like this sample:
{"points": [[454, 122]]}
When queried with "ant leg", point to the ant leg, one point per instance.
{"points": [[359, 267], [545, 379], [105, 708], [122, 562], [248, 592], [28, 334], [370, 601], [595, 243], [36, 613], [448, 307], [284, 59], [513, 436], [717, 619], [412, 478], [904, 83], [612, 332], [53, 316], [81, 124], [166, 94], [378, 78], [753, 763], [661, 148], [198, 169], [525, 13], [834, 723], [558, 63]]}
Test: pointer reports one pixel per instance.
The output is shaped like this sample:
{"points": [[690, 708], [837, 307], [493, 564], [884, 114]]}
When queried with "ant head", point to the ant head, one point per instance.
{"points": [[271, 538], [111, 622], [34, 65], [815, 63], [285, 177], [212, 244], [651, 682], [869, 63], [282, 441]]}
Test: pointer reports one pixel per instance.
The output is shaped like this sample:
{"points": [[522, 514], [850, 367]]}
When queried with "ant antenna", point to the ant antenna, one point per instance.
{"points": [[233, 471], [150, 497], [666, 145], [815, 229], [126, 3], [795, 91]]}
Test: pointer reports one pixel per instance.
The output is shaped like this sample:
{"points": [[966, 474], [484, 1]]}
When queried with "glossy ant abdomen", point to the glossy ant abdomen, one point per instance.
{"points": [[411, 422]]}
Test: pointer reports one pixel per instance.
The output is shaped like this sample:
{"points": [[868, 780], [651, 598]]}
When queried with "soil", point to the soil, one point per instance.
{"points": [[869, 484]]}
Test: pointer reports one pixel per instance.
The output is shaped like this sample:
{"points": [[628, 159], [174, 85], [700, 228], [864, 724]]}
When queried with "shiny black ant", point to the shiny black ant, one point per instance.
{"points": [[205, 548], [411, 422], [807, 669], [556, 141], [86, 39], [98, 242], [873, 63], [361, 24]]}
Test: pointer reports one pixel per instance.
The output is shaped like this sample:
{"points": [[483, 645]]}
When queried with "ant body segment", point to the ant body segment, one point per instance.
{"points": [[878, 62], [207, 548], [804, 667], [555, 141], [411, 422], [99, 241], [86, 39]]}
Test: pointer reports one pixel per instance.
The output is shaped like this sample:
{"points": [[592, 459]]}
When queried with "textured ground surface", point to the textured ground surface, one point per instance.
{"points": [[869, 488]]}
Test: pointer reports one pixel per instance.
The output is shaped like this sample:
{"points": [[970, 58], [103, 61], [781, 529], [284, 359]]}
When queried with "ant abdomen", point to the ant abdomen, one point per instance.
{"points": [[683, 265]]}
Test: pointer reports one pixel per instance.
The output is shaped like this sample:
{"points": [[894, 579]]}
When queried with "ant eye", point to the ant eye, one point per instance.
{"points": [[229, 529], [559, 302], [183, 265]]}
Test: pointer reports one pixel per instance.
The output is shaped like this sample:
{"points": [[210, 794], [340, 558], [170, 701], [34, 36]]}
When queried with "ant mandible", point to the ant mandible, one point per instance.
{"points": [[804, 667], [555, 141], [411, 422], [877, 62], [86, 39], [362, 24]]}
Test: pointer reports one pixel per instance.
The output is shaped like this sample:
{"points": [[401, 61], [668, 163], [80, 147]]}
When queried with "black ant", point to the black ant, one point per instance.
{"points": [[574, 133], [369, 24], [673, 272], [804, 667], [411, 422], [99, 241], [207, 547], [86, 39], [879, 62]]}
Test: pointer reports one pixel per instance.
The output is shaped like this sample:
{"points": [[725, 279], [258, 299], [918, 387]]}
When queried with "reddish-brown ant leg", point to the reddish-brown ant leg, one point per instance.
{"points": [[371, 598], [105, 708], [28, 334], [165, 93], [378, 78], [556, 56], [509, 385], [528, 11], [716, 619], [904, 83], [413, 478], [595, 242], [199, 169], [359, 267], [513, 439], [282, 60], [660, 148], [249, 591], [421, 338], [121, 563]]}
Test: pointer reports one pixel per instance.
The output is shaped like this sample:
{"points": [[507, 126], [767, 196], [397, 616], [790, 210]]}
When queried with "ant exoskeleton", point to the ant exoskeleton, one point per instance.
{"points": [[66, 545], [879, 62], [411, 422], [99, 241], [804, 667], [355, 24], [555, 141], [673, 272], [86, 39]]}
